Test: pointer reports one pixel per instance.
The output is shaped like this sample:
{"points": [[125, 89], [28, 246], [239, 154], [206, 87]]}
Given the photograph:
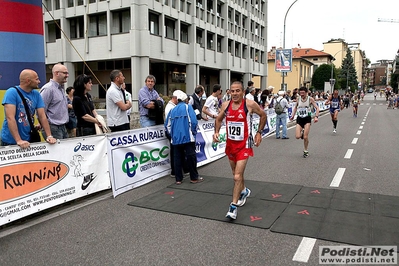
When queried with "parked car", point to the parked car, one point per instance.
{"points": [[370, 90]]}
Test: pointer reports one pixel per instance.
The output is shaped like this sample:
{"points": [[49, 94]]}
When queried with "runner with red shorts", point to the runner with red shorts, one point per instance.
{"points": [[238, 112]]}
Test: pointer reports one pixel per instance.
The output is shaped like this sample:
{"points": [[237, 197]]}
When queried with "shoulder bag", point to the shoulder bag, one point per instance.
{"points": [[34, 134]]}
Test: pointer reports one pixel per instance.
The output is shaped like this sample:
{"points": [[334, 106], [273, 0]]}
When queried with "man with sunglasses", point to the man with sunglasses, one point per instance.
{"points": [[56, 103]]}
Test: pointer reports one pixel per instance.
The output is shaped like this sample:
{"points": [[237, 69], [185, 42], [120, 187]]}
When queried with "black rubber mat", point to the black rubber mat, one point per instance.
{"points": [[261, 190], [256, 212], [329, 214]]}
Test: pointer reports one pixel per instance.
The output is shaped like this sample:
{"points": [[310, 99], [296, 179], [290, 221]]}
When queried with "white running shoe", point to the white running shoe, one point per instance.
{"points": [[232, 213], [334, 131], [243, 197]]}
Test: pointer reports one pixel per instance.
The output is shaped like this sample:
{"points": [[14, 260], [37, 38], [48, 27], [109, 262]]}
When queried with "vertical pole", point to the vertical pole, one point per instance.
{"points": [[285, 18]]}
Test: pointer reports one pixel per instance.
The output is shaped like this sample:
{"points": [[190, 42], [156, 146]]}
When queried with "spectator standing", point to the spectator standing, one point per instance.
{"points": [[117, 105], [181, 124], [250, 85], [281, 119], [128, 97], [195, 101], [56, 103], [250, 94], [16, 127], [84, 107], [169, 106], [211, 106], [227, 96], [72, 123], [147, 101]]}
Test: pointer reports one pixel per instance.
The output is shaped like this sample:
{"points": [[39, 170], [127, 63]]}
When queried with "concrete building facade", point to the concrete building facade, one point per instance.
{"points": [[181, 42]]}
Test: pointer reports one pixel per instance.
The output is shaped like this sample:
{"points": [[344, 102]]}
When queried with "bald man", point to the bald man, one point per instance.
{"points": [[55, 102], [16, 126]]}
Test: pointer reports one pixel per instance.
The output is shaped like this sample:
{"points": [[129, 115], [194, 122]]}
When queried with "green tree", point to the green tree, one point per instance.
{"points": [[348, 76], [321, 75], [394, 82]]}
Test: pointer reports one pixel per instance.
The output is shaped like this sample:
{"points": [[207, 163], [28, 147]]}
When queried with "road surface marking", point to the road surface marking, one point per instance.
{"points": [[304, 250], [348, 154], [354, 141], [358, 132], [338, 177]]}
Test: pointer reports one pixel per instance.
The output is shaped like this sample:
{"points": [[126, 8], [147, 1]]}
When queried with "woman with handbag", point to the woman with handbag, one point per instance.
{"points": [[83, 106], [72, 123]]}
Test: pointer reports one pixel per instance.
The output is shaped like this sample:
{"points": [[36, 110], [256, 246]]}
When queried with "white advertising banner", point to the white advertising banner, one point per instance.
{"points": [[43, 176]]}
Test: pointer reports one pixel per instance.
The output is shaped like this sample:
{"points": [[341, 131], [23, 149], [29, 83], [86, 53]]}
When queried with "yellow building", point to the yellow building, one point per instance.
{"points": [[338, 48]]}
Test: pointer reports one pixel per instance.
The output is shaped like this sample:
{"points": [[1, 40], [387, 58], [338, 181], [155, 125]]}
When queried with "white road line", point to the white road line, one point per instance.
{"points": [[354, 141], [358, 132], [362, 123], [348, 154], [304, 250], [338, 177], [361, 127]]}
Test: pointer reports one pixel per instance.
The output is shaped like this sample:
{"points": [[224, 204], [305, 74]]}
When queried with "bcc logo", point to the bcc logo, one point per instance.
{"points": [[131, 162]]}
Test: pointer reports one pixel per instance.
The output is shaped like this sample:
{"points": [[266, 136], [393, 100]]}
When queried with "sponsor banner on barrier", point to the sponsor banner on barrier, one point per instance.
{"points": [[142, 155], [207, 150], [137, 157], [43, 176]]}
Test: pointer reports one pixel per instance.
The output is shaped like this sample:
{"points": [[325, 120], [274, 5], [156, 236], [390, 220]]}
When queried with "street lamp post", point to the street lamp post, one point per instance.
{"points": [[332, 80], [285, 18]]}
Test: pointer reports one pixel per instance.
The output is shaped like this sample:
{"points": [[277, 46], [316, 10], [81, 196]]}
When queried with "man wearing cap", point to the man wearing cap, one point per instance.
{"points": [[281, 119], [181, 125], [250, 94]]}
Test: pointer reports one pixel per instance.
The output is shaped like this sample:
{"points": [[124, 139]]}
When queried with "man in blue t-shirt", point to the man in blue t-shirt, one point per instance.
{"points": [[16, 127]]}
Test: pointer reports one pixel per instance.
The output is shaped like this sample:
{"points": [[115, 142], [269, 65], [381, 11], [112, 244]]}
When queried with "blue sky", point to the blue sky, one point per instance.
{"points": [[309, 23]]}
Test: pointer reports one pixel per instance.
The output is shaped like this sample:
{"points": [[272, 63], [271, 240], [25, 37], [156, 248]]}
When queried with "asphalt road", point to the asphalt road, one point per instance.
{"points": [[101, 230]]}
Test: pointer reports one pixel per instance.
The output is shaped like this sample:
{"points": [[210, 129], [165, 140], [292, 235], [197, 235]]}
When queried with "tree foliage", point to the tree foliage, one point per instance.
{"points": [[321, 75], [348, 76]]}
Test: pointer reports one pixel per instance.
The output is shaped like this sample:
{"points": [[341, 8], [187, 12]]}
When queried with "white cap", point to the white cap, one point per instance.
{"points": [[270, 88], [180, 95], [281, 93]]}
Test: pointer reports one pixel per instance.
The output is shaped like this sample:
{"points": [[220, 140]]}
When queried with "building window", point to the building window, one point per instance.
{"points": [[57, 4], [237, 49], [188, 8], [170, 28], [173, 3], [48, 5], [53, 32], [210, 41], [97, 25], [209, 6], [244, 51], [219, 9], [184, 32], [120, 21], [76, 27], [181, 5], [200, 39], [80, 2], [70, 3], [154, 24], [92, 1], [219, 43], [230, 44]]}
